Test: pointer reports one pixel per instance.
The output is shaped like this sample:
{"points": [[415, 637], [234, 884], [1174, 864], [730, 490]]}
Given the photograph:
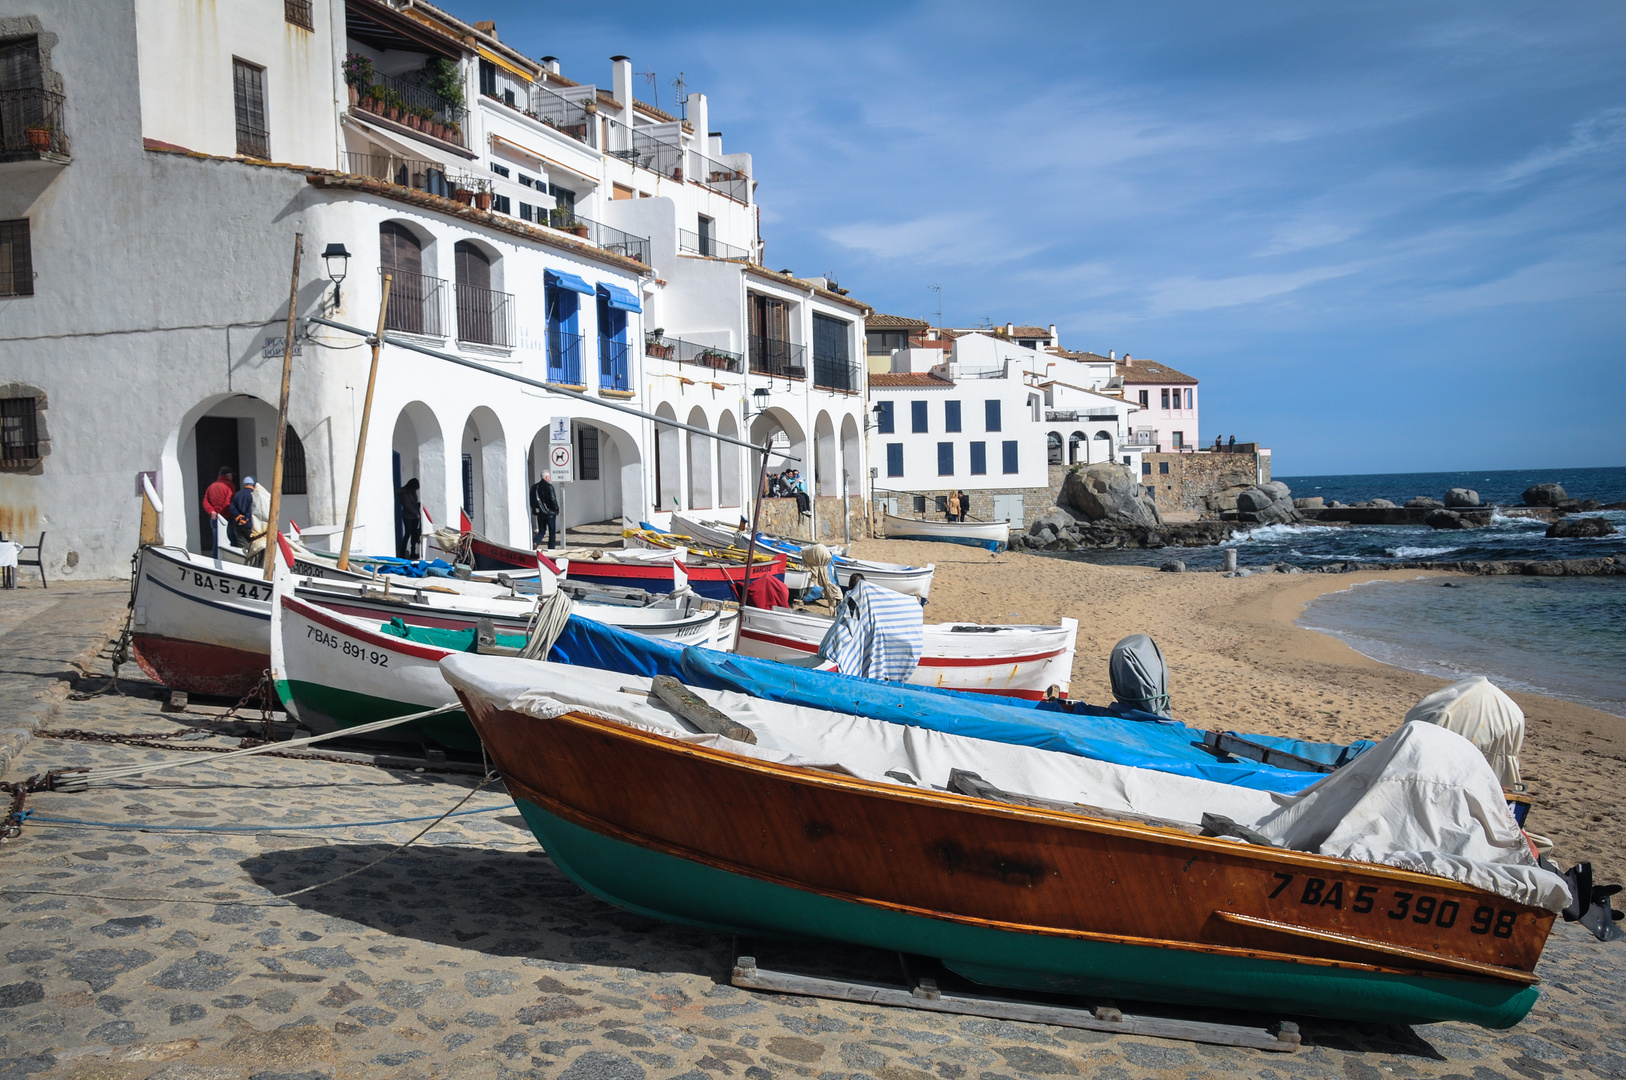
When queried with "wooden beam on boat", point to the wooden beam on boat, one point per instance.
{"points": [[927, 997], [697, 711]]}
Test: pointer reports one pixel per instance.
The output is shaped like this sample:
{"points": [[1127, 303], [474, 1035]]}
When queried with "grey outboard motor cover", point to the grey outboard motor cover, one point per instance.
{"points": [[1140, 678]]}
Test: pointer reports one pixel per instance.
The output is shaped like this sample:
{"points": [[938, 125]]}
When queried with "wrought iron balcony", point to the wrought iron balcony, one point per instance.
{"points": [[564, 357], [604, 237], [560, 113], [415, 106], [417, 303], [427, 176], [687, 352], [612, 364], [839, 375], [485, 316], [771, 356], [697, 244], [31, 123]]}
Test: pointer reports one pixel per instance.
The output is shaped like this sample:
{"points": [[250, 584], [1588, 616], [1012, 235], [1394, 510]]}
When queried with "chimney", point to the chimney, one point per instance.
{"points": [[551, 63], [621, 86], [1010, 328], [1112, 354], [1127, 361], [487, 27], [1053, 340], [699, 112]]}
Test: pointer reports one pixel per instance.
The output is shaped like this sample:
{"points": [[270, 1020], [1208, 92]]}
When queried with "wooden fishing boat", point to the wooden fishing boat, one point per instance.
{"points": [[486, 554], [899, 577], [993, 535], [201, 624], [1011, 661], [662, 570], [1052, 896]]}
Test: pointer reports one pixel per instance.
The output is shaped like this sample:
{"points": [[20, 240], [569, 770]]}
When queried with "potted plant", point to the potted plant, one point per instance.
{"points": [[454, 133], [463, 195], [482, 200], [358, 75], [39, 137], [581, 229]]}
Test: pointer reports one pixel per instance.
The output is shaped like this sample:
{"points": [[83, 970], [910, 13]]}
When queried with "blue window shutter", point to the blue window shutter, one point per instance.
{"points": [[951, 416], [894, 459], [1010, 456], [979, 459], [883, 418], [991, 416], [917, 417], [945, 459]]}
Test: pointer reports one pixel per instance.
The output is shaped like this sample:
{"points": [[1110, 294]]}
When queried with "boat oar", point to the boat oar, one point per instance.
{"points": [[689, 705]]}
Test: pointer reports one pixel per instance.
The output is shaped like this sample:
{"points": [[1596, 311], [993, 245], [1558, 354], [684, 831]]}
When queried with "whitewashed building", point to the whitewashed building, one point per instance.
{"points": [[146, 242]]}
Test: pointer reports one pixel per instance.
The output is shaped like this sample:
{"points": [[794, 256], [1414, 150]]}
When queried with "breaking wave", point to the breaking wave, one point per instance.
{"points": [[1418, 552]]}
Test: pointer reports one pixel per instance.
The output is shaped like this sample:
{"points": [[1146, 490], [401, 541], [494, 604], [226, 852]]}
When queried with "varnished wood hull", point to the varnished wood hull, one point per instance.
{"points": [[1009, 896]]}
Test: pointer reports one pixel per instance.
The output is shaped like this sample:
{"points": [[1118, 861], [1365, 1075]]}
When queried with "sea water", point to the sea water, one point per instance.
{"points": [[1560, 636], [1564, 637]]}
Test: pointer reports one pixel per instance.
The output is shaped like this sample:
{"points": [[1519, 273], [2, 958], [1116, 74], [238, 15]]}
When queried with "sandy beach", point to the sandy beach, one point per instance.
{"points": [[1237, 660]]}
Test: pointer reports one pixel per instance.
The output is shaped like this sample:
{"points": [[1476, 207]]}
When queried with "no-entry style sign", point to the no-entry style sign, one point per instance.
{"points": [[559, 467]]}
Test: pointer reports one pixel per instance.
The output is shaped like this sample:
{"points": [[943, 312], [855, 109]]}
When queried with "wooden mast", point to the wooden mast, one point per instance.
{"points": [[282, 410], [361, 436], [751, 545]]}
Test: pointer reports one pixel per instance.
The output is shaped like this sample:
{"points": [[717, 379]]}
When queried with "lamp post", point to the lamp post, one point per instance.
{"points": [[337, 260]]}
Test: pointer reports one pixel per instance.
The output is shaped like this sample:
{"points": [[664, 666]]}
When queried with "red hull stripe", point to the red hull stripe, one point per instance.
{"points": [[197, 667], [386, 641], [925, 661]]}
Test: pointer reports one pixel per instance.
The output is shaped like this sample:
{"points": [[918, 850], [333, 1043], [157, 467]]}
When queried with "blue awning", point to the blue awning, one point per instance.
{"points": [[619, 297], [569, 281]]}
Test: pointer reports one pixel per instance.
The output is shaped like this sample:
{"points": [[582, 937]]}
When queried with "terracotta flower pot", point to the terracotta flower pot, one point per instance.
{"points": [[581, 230], [355, 96], [393, 113], [39, 140], [482, 199], [437, 130]]}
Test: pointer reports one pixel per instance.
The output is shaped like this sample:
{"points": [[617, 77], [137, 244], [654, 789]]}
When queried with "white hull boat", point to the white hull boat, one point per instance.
{"points": [[993, 535], [1013, 661]]}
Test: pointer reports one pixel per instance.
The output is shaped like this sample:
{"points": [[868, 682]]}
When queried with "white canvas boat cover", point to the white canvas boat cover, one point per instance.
{"points": [[1475, 709], [878, 634], [1422, 799]]}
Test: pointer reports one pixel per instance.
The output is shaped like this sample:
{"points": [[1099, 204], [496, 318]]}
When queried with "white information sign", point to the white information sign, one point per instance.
{"points": [[559, 430], [559, 467]]}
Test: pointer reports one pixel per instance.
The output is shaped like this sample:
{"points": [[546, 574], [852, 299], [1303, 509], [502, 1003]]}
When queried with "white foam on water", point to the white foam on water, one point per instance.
{"points": [[1275, 532], [1418, 552]]}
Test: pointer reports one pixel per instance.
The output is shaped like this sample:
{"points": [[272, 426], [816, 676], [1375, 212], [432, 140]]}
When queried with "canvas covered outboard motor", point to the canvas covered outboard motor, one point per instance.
{"points": [[1140, 677]]}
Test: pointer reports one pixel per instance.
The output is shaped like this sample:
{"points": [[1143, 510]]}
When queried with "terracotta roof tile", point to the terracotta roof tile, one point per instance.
{"points": [[900, 380], [894, 322], [1030, 331], [1151, 371]]}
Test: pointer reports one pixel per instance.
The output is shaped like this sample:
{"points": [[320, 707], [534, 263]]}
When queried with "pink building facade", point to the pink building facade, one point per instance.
{"points": [[1169, 403]]}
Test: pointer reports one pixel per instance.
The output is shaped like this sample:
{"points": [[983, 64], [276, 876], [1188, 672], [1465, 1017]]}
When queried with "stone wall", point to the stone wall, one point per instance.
{"points": [[1035, 501], [781, 518], [1182, 481]]}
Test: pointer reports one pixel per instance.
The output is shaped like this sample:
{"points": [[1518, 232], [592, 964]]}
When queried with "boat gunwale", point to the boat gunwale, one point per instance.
{"points": [[481, 711]]}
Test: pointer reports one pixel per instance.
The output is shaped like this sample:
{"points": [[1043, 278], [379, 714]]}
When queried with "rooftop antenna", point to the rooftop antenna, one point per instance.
{"points": [[649, 77], [938, 289], [681, 88]]}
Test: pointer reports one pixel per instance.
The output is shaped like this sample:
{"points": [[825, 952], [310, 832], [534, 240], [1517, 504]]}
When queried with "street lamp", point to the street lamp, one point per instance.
{"points": [[337, 260]]}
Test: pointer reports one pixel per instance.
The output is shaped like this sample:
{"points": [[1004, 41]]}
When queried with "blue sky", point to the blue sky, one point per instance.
{"points": [[1386, 237]]}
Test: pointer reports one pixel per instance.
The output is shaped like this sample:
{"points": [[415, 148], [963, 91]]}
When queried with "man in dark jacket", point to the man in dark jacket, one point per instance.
{"points": [[544, 512], [409, 520], [240, 514]]}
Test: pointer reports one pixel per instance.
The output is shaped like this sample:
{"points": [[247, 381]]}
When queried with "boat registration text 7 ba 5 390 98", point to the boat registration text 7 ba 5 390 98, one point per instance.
{"points": [[1420, 908]]}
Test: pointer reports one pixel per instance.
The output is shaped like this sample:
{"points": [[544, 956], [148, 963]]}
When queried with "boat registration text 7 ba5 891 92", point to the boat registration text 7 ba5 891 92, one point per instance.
{"points": [[350, 648]]}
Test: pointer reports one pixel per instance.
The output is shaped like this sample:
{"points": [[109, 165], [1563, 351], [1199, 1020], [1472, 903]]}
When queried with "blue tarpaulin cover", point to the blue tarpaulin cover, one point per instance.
{"points": [[1149, 743]]}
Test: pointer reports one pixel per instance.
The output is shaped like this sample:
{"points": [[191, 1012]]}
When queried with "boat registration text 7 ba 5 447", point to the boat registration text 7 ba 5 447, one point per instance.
{"points": [[226, 586], [350, 648], [1420, 908]]}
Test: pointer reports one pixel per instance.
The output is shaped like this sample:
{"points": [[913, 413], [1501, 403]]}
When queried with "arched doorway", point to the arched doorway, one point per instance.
{"points": [[787, 436], [1078, 449], [852, 461], [1103, 443], [827, 473], [729, 483], [668, 461], [225, 431], [419, 453], [701, 451], [485, 474], [1053, 452]]}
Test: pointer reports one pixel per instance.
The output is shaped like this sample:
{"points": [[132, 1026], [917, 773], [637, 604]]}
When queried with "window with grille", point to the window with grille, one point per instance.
{"points": [[248, 91], [16, 259], [298, 12], [586, 452], [19, 431], [293, 464]]}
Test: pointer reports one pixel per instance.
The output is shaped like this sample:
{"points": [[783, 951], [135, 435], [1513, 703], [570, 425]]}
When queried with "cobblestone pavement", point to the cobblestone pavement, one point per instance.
{"points": [[470, 954]]}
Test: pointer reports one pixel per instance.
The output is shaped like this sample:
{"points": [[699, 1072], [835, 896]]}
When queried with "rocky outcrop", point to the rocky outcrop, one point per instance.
{"points": [[1268, 504], [1383, 504], [1316, 503], [1108, 492], [1461, 497], [1058, 530], [1445, 519], [1423, 502], [1579, 528], [1545, 495]]}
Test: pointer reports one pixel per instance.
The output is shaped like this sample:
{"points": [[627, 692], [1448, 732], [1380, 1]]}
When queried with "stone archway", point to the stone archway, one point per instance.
{"points": [[826, 471], [729, 467], [852, 457], [419, 453], [221, 430], [485, 474], [702, 450]]}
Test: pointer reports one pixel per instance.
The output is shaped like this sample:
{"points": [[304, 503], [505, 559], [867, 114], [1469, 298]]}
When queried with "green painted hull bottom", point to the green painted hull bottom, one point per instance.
{"points": [[676, 890], [327, 708]]}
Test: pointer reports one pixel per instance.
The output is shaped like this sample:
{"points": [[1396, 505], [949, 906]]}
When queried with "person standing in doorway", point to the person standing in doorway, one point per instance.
{"points": [[965, 506], [952, 508], [544, 512], [215, 502], [240, 514], [411, 511]]}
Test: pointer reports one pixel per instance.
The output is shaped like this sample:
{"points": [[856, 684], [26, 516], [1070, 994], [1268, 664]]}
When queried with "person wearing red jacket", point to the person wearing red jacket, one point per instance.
{"points": [[215, 501]]}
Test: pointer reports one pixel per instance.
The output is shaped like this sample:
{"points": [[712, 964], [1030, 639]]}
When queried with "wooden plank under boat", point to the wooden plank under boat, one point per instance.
{"points": [[1008, 895]]}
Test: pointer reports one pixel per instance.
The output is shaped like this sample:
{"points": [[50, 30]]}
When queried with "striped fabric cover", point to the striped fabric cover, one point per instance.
{"points": [[877, 635]]}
